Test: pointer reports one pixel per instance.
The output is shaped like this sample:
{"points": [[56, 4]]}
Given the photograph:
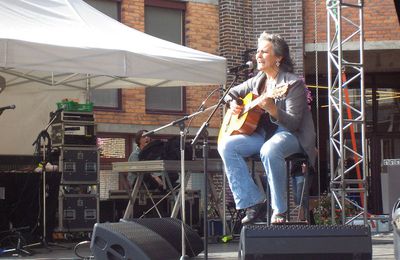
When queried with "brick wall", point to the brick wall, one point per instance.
{"points": [[243, 21], [232, 28], [201, 34], [236, 30], [380, 21], [202, 27], [132, 14], [284, 17]]}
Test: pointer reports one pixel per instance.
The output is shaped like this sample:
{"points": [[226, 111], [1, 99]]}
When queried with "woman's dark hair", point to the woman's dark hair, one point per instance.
{"points": [[139, 135], [281, 49]]}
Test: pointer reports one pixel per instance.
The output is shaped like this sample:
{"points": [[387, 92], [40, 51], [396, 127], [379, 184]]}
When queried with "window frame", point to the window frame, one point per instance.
{"points": [[118, 107], [171, 112], [182, 7], [129, 139]]}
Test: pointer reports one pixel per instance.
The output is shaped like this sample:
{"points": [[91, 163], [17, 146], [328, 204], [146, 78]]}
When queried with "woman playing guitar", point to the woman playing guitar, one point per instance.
{"points": [[283, 126]]}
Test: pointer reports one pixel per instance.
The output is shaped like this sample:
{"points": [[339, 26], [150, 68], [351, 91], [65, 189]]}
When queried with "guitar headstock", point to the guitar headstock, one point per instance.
{"points": [[280, 90]]}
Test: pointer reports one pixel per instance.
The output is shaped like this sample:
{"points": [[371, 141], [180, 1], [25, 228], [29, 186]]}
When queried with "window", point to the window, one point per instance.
{"points": [[107, 99], [165, 20], [113, 147], [389, 110], [165, 99]]}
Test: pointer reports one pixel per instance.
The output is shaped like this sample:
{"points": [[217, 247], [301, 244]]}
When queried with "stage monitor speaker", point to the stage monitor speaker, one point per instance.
{"points": [[301, 242], [153, 238], [171, 230], [396, 228]]}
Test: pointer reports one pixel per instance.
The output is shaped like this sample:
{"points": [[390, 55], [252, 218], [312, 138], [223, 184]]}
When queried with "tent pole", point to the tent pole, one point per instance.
{"points": [[87, 94]]}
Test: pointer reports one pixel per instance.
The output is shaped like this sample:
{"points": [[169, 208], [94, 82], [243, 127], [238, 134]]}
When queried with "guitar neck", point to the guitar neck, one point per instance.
{"points": [[251, 105], [279, 91]]}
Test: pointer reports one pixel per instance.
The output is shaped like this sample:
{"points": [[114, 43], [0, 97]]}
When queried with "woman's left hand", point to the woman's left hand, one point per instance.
{"points": [[268, 104]]}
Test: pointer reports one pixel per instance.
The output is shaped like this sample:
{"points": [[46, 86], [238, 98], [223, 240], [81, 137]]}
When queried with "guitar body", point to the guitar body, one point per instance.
{"points": [[245, 123]]}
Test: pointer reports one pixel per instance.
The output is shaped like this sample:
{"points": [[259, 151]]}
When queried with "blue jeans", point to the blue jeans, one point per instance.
{"points": [[236, 148]]}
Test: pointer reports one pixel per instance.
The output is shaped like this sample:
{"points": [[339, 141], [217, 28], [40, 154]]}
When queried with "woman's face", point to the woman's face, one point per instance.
{"points": [[266, 58]]}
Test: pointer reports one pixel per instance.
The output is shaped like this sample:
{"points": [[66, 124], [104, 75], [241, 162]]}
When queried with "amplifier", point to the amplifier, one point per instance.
{"points": [[77, 212], [305, 242], [69, 116], [73, 134], [79, 165]]}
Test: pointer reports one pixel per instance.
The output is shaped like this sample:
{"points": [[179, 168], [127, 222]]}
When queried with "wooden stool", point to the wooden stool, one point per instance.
{"points": [[259, 182], [290, 161]]}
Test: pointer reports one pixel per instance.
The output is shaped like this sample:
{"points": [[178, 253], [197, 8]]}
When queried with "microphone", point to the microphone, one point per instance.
{"points": [[248, 65], [59, 110], [7, 107], [53, 114]]}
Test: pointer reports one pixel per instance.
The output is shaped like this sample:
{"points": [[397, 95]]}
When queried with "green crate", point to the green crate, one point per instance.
{"points": [[73, 106], [67, 105], [88, 107]]}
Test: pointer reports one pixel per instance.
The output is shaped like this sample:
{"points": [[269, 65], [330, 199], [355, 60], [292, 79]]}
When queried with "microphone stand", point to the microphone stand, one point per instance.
{"points": [[181, 123], [19, 246], [45, 135], [204, 133]]}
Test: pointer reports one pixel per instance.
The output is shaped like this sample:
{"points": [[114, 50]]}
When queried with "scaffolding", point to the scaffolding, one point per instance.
{"points": [[346, 112]]}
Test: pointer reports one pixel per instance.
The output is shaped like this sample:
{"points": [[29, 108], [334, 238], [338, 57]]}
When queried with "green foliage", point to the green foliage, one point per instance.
{"points": [[322, 213]]}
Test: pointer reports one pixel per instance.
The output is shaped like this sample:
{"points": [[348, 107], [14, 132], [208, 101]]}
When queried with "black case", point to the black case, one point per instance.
{"points": [[70, 116], [79, 165], [73, 129], [73, 134], [77, 212]]}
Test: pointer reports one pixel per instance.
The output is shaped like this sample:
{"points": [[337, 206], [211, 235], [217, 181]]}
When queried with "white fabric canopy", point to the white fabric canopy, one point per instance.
{"points": [[55, 49], [71, 36]]}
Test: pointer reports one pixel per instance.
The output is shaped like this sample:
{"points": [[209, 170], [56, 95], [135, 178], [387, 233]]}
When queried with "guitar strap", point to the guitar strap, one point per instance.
{"points": [[265, 121], [261, 86], [268, 125]]}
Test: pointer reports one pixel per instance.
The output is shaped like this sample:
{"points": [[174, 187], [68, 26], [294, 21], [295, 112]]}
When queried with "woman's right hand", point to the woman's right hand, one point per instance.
{"points": [[235, 107]]}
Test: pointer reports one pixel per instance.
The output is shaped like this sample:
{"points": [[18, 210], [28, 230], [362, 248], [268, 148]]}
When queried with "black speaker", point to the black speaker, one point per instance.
{"points": [[151, 238], [171, 230], [281, 242], [396, 229]]}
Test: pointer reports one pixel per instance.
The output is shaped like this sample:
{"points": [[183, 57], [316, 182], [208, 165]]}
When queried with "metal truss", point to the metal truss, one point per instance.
{"points": [[346, 111]]}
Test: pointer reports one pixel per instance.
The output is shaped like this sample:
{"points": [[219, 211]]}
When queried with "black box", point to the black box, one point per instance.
{"points": [[306, 242], [143, 206], [73, 134], [79, 165], [71, 116], [192, 208], [77, 212]]}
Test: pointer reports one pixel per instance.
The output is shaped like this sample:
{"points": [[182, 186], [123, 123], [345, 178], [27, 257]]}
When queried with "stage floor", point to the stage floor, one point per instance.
{"points": [[382, 248]]}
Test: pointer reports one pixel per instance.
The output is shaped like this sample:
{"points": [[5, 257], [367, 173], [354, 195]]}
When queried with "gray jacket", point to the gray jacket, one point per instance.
{"points": [[293, 110]]}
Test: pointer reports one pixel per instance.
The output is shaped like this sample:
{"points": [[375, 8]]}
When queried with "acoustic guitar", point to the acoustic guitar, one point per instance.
{"points": [[246, 122]]}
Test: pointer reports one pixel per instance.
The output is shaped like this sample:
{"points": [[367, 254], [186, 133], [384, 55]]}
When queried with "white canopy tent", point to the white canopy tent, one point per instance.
{"points": [[55, 49]]}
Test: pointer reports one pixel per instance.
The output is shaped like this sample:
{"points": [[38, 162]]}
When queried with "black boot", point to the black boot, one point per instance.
{"points": [[255, 213]]}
